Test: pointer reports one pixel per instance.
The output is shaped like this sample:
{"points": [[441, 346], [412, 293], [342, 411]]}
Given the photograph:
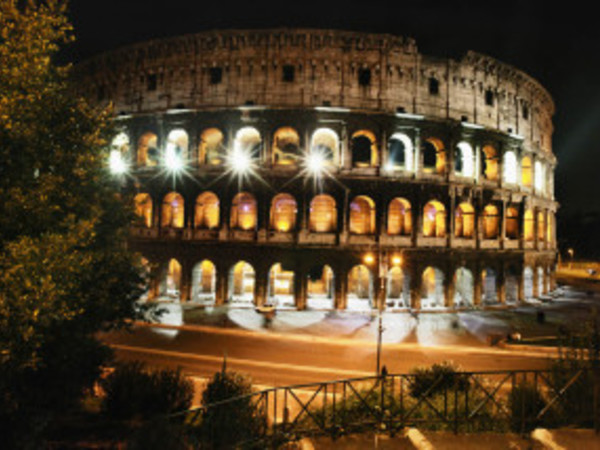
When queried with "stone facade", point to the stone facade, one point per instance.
{"points": [[475, 171]]}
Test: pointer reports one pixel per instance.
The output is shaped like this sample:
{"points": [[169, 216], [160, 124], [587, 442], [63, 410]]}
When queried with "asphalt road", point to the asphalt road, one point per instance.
{"points": [[276, 359]]}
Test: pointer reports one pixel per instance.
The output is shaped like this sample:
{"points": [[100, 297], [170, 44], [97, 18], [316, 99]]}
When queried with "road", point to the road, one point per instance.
{"points": [[279, 359]]}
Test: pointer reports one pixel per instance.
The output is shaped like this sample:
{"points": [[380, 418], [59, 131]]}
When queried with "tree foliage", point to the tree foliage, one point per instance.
{"points": [[65, 272]]}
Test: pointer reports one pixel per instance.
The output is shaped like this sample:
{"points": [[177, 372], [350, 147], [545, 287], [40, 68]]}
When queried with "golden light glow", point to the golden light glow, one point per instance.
{"points": [[362, 215], [526, 171], [369, 258], [323, 214], [528, 229], [211, 149], [490, 162], [434, 219], [359, 281], [399, 217], [286, 147], [396, 260], [147, 150], [207, 211], [464, 220], [143, 208], [512, 223], [243, 212], [283, 213], [243, 277], [325, 141], [541, 226], [281, 282], [364, 149], [491, 222], [172, 211]]}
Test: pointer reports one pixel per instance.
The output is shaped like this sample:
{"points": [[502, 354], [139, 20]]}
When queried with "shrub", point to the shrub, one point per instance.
{"points": [[525, 402], [430, 381], [230, 424], [133, 391]]}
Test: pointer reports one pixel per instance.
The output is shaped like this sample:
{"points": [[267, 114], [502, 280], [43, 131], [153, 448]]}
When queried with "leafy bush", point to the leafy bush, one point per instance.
{"points": [[133, 391], [232, 423], [434, 380]]}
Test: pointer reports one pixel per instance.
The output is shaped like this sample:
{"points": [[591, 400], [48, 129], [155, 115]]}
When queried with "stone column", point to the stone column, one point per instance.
{"points": [[345, 150], [449, 290], [260, 286], [341, 289], [300, 288], [477, 287], [536, 291], [415, 288], [221, 288], [501, 285], [520, 287], [186, 283]]}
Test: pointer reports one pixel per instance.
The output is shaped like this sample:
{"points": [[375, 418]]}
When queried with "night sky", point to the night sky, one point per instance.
{"points": [[558, 45]]}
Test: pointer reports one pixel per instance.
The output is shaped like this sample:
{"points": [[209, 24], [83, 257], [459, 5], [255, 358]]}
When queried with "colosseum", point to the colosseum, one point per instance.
{"points": [[319, 169]]}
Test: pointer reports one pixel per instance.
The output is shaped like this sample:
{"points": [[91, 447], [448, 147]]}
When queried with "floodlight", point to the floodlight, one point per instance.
{"points": [[116, 163]]}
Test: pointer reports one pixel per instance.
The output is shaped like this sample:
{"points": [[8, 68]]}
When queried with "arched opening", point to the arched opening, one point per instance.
{"points": [[549, 230], [204, 279], [177, 144], [540, 280], [143, 209], [511, 285], [463, 160], [241, 284], [119, 153], [320, 288], [243, 212], [281, 287], [283, 213], [399, 217], [528, 282], [398, 289], [463, 287], [360, 288], [541, 226], [323, 214], [526, 171], [539, 175], [146, 274], [211, 149], [489, 163], [172, 211], [434, 156], [434, 219], [400, 153], [207, 211], [464, 221], [528, 225], [362, 215], [488, 282], [432, 288], [247, 141], [170, 283], [491, 222], [364, 149], [147, 150], [325, 142], [512, 223], [286, 147], [509, 167]]}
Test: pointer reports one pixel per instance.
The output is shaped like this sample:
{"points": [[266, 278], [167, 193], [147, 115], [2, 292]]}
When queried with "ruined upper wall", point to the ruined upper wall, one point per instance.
{"points": [[378, 72]]}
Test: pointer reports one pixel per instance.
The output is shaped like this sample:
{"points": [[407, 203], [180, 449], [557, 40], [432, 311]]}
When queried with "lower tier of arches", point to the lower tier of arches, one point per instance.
{"points": [[327, 279]]}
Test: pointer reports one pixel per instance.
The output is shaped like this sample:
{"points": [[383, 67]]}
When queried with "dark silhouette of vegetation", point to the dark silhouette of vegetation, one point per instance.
{"points": [[430, 381]]}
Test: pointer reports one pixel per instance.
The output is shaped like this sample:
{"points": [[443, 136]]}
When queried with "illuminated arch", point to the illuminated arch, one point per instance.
{"points": [[147, 150], [120, 143], [398, 288], [399, 217], [362, 215], [177, 144], [207, 213], [323, 214], [512, 223], [242, 278], [172, 211], [463, 160], [489, 163], [511, 284], [360, 288], [491, 222], [321, 288], [286, 147], [434, 156], [248, 141], [143, 208], [364, 149], [281, 286], [528, 282], [243, 212], [489, 281], [464, 221], [509, 167], [283, 213], [463, 287], [541, 226], [434, 219], [325, 141], [204, 279], [432, 288], [400, 153], [528, 225], [170, 285], [539, 177], [211, 149], [526, 171]]}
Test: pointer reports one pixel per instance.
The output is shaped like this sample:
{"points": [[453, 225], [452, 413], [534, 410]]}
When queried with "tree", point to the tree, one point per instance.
{"points": [[65, 272]]}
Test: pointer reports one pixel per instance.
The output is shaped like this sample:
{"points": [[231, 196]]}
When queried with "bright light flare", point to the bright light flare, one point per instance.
{"points": [[240, 162], [396, 260], [315, 163], [173, 161], [116, 163], [369, 258]]}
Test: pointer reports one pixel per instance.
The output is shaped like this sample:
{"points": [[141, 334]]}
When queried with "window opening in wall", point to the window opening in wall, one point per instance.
{"points": [[434, 86], [525, 112], [429, 155], [288, 73], [489, 98], [364, 77], [151, 82], [215, 75], [364, 149]]}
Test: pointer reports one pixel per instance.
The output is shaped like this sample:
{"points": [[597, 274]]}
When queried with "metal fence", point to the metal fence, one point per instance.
{"points": [[515, 401]]}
